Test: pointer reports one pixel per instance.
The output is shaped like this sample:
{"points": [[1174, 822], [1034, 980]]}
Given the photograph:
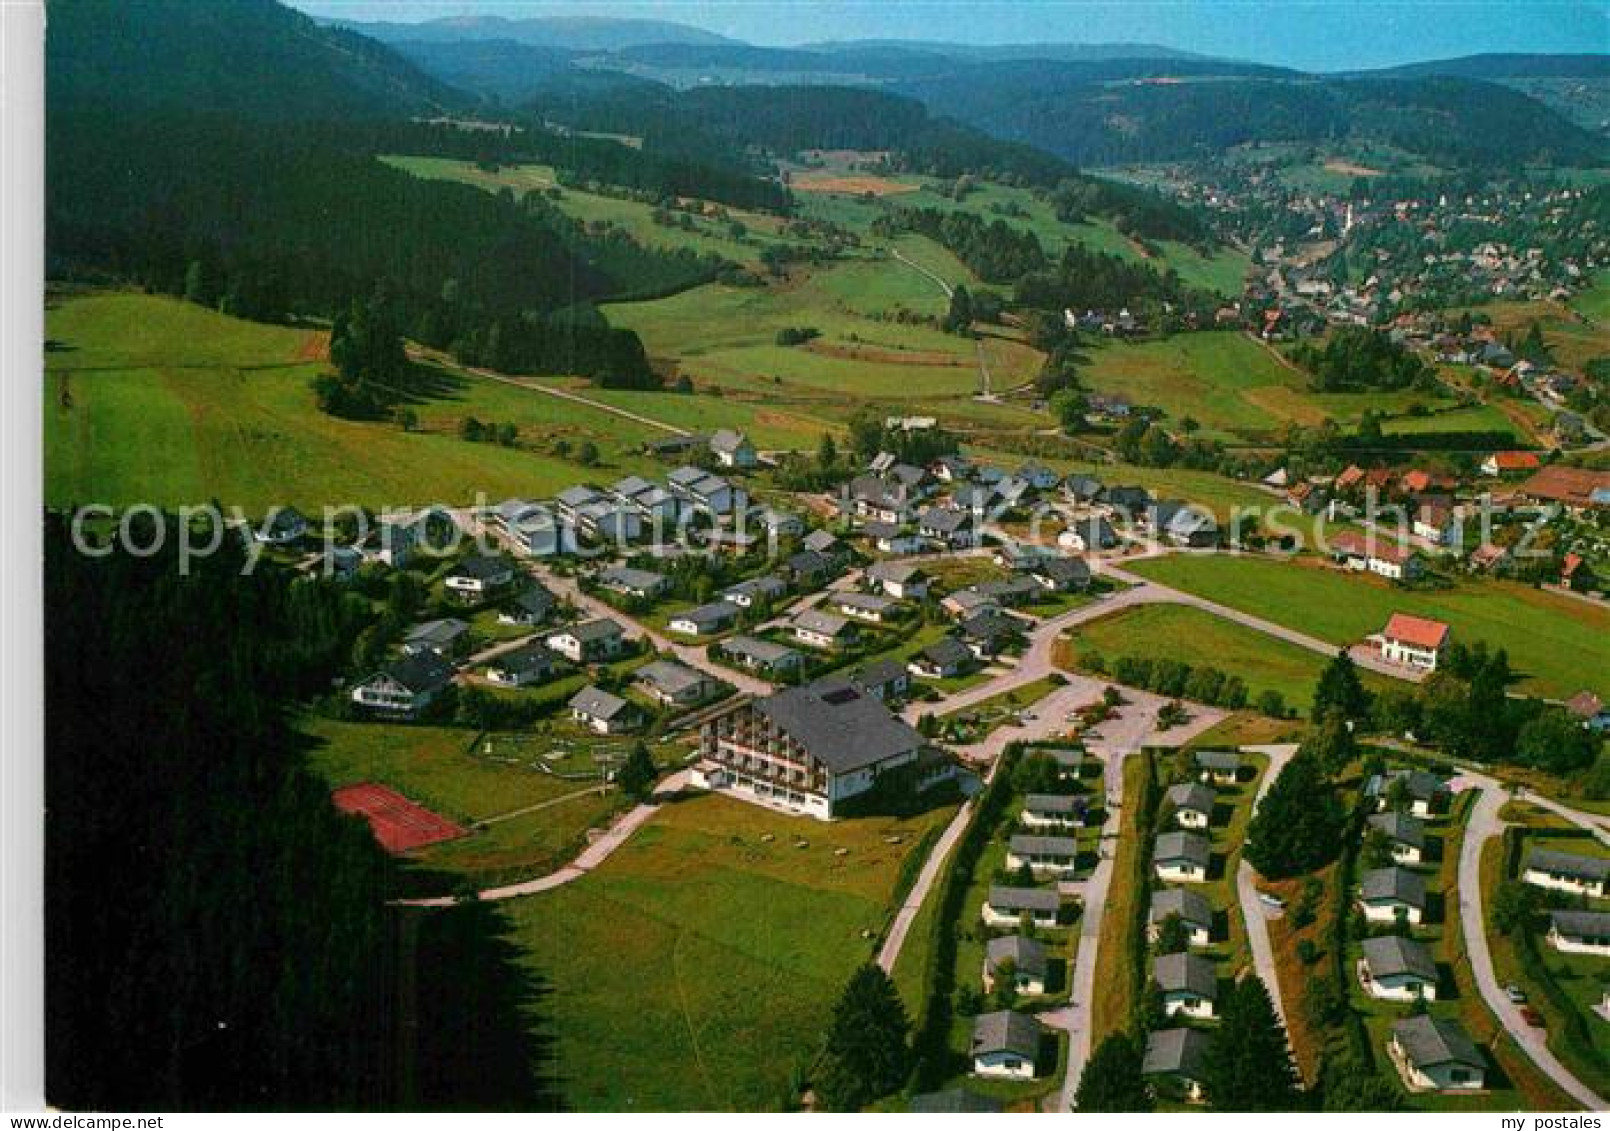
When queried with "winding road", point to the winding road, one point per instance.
{"points": [[1255, 914]]}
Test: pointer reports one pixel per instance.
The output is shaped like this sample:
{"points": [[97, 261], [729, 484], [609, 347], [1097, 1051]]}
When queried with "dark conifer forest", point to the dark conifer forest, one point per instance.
{"points": [[218, 934]]}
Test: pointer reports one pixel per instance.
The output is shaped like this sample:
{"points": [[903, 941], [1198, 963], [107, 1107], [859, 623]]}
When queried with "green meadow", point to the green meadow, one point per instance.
{"points": [[1556, 645]]}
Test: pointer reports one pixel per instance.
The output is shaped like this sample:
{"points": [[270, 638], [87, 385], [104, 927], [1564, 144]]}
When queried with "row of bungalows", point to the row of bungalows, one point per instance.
{"points": [[1567, 871]]}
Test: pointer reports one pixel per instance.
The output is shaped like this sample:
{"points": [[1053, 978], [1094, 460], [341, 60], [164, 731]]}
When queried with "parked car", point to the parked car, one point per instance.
{"points": [[1515, 993], [1533, 1018], [1270, 900]]}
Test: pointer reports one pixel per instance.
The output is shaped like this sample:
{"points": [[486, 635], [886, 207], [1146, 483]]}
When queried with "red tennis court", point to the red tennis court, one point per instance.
{"points": [[398, 823]]}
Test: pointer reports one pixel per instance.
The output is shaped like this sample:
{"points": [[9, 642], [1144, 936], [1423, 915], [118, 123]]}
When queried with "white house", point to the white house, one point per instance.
{"points": [[589, 642], [817, 629], [1393, 895], [1044, 855], [1405, 835], [284, 526], [406, 687], [732, 449], [1190, 984], [1177, 1056], [533, 530], [479, 577], [1005, 1045], [1194, 911], [1059, 811], [1192, 803], [706, 620], [641, 584], [1182, 857], [443, 637], [1396, 968], [1566, 871], [905, 580], [1376, 555], [1006, 905], [1580, 932], [521, 667], [603, 712], [1414, 642], [672, 684], [1024, 957], [874, 608], [1436, 1054]]}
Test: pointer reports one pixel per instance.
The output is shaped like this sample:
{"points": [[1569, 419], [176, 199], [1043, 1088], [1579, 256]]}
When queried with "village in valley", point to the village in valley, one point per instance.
{"points": [[933, 627]]}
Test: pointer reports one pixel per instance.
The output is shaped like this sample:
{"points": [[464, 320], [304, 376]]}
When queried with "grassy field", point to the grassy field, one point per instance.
{"points": [[718, 930], [1114, 1005], [151, 399], [1178, 632], [1556, 645], [1236, 388], [444, 770]]}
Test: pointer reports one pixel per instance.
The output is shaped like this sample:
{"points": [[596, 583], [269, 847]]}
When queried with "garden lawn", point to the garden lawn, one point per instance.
{"points": [[1196, 637], [1556, 645], [696, 969]]}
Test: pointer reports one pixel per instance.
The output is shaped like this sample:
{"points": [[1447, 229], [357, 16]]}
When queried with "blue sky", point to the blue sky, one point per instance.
{"points": [[1312, 34]]}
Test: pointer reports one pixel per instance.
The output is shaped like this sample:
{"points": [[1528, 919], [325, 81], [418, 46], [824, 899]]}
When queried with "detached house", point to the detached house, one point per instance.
{"points": [[761, 655], [948, 528], [817, 629], [531, 606], [884, 680], [1062, 575], [1089, 534], [589, 642], [1052, 811], [1379, 556], [1190, 984], [808, 748], [1044, 855], [1414, 642], [603, 711], [732, 449], [871, 607], [1424, 794], [1436, 1053], [1405, 836], [1580, 932], [672, 684], [1194, 911], [756, 590], [480, 578], [1392, 895], [1221, 767], [1181, 857], [706, 620], [1024, 958], [1395, 968], [1005, 1045], [905, 580], [1006, 905], [285, 526], [1567, 871], [443, 637], [1178, 1057], [405, 687], [523, 666], [641, 584], [1192, 804], [945, 658]]}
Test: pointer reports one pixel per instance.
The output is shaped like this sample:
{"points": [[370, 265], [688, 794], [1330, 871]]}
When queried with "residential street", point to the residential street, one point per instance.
{"points": [[1483, 825], [1254, 912]]}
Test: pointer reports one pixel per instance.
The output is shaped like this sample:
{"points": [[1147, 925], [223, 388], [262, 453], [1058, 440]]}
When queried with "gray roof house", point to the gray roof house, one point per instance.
{"points": [[717, 616], [672, 683], [1005, 1043], [1062, 575], [1192, 907], [1192, 803], [1569, 871], [1436, 1052], [603, 711], [942, 659], [1182, 856], [1190, 983], [1179, 1054], [1220, 765], [530, 663], [1027, 955], [634, 582], [761, 655], [1406, 834], [1393, 959], [1385, 890], [439, 636], [406, 686], [1006, 903]]}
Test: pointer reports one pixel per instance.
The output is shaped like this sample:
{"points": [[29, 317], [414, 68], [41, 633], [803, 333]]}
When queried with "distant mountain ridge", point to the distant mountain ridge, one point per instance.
{"points": [[574, 33]]}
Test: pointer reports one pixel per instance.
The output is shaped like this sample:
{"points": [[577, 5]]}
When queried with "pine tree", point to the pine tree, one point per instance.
{"points": [[1341, 689], [1298, 825], [866, 1056], [1248, 1065], [1111, 1080]]}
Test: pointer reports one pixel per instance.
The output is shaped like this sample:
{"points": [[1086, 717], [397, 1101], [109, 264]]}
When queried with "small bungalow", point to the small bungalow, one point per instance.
{"points": [[603, 712], [1190, 984], [521, 667], [732, 449], [966, 602], [988, 634], [1510, 463], [1182, 857], [1393, 895], [761, 655], [1024, 957], [1062, 575], [891, 538], [945, 658], [672, 684], [589, 642], [1423, 794], [1052, 811], [642, 584], [1588, 709], [1405, 835], [1396, 968], [1378, 555], [285, 526], [1221, 767], [1177, 1056], [817, 629], [706, 620], [948, 527], [1580, 932], [1005, 1045], [1088, 534], [1193, 909], [905, 580], [873, 608], [762, 590], [1006, 905], [1436, 1054], [884, 680], [1192, 803], [1043, 855], [479, 577], [810, 568], [443, 637], [531, 606], [1566, 871]]}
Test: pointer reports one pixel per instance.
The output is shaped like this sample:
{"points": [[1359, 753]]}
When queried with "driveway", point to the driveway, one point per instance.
{"points": [[1254, 912], [1484, 824]]}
